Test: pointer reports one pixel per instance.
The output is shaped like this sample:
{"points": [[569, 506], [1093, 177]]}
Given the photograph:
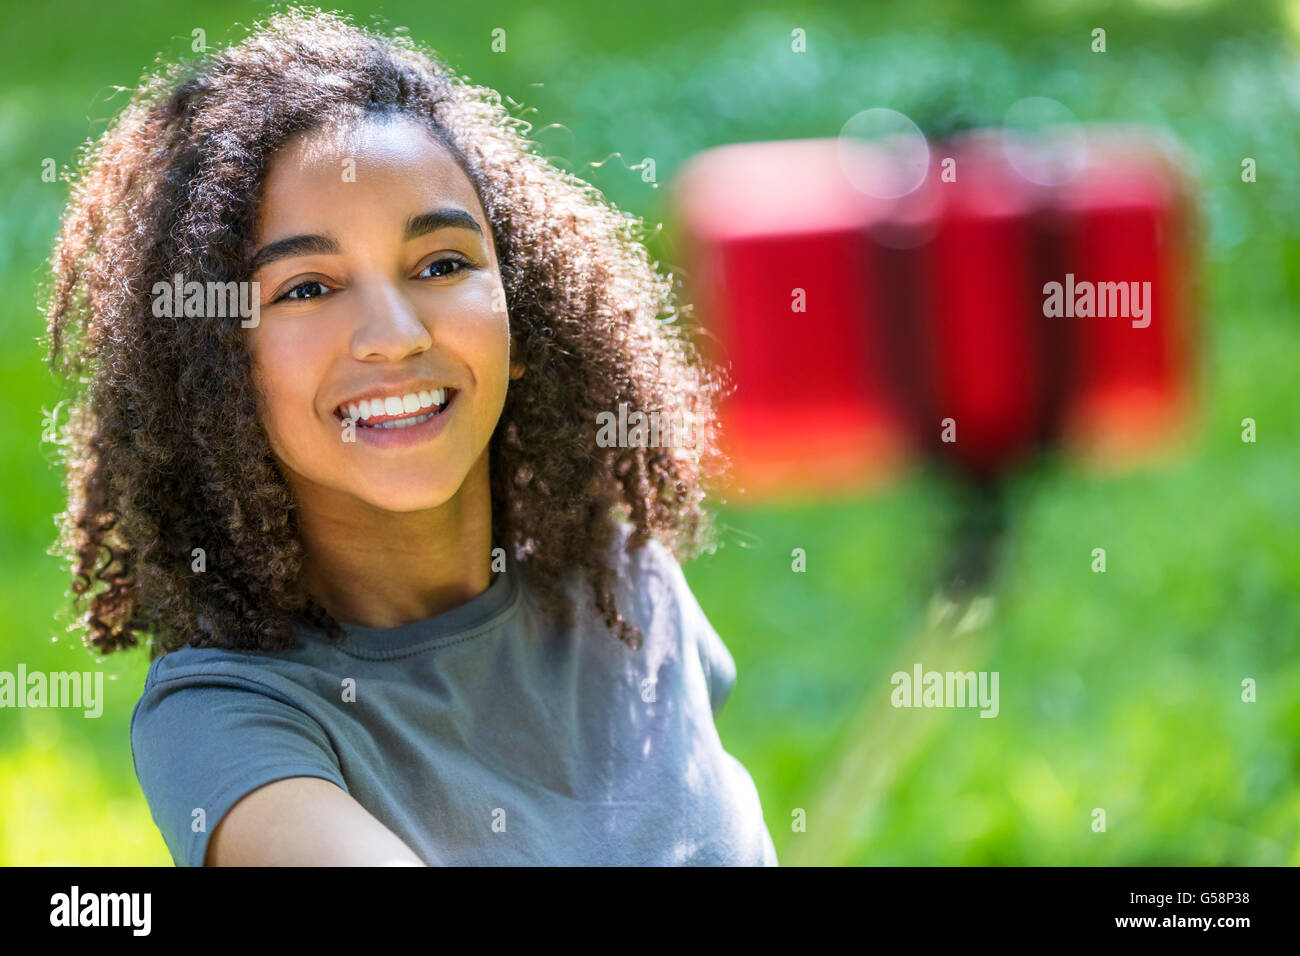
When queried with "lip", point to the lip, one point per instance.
{"points": [[384, 391], [405, 437]]}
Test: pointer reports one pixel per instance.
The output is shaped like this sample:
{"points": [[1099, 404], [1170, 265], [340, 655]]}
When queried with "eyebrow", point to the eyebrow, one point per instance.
{"points": [[294, 246], [449, 217]]}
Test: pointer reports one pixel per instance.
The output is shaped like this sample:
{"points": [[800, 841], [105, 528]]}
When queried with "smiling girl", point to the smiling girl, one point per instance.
{"points": [[403, 607]]}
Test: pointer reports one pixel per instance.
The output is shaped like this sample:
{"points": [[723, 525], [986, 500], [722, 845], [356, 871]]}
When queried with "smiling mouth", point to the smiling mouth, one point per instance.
{"points": [[397, 411]]}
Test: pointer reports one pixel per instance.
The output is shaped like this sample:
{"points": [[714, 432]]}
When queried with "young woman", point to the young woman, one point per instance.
{"points": [[340, 344]]}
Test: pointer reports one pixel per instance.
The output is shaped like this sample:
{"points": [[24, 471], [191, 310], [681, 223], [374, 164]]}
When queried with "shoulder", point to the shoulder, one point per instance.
{"points": [[211, 685], [648, 578], [191, 668], [655, 585], [652, 591], [212, 725], [188, 662], [204, 686]]}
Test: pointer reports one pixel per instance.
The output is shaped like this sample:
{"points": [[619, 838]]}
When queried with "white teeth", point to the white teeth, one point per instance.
{"points": [[406, 422], [393, 405]]}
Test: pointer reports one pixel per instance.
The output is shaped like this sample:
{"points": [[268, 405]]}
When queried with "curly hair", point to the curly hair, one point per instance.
{"points": [[164, 448]]}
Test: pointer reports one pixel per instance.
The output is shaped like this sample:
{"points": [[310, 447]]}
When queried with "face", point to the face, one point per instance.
{"points": [[382, 350]]}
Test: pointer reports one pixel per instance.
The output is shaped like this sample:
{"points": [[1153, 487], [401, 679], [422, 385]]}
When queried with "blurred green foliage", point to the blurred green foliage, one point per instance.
{"points": [[1119, 691]]}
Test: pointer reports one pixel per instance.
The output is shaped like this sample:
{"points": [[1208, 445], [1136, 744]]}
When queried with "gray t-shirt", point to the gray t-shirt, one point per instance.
{"points": [[482, 736]]}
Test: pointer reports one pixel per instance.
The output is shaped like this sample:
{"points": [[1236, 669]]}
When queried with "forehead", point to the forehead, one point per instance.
{"points": [[371, 167]]}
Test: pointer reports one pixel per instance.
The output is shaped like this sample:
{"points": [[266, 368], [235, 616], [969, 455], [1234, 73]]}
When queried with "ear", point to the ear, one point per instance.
{"points": [[516, 368]]}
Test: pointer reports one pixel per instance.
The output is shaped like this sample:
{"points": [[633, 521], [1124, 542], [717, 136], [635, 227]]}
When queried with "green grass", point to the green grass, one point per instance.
{"points": [[1119, 691]]}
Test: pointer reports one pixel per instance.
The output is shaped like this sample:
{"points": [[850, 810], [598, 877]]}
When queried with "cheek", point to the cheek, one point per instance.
{"points": [[490, 343], [479, 332], [286, 370]]}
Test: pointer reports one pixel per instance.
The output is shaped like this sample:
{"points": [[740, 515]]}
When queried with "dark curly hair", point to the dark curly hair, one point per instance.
{"points": [[163, 446]]}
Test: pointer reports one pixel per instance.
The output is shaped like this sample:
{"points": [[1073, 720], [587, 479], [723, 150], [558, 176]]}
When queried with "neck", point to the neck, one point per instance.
{"points": [[378, 568]]}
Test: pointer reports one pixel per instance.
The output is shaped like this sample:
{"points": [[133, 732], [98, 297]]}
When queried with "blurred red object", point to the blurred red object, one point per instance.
{"points": [[1131, 217], [790, 292], [960, 319], [965, 294]]}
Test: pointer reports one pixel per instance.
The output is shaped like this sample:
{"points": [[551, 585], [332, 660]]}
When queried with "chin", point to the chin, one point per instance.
{"points": [[407, 497], [407, 502]]}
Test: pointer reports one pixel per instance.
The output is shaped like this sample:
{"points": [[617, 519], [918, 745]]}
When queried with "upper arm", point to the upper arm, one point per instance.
{"points": [[304, 821], [203, 741]]}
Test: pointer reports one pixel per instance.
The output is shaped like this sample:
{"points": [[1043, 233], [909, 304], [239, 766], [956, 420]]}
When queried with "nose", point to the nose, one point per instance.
{"points": [[390, 329]]}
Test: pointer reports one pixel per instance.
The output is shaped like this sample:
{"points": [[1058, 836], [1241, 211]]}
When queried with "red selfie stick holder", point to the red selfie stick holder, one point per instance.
{"points": [[859, 330]]}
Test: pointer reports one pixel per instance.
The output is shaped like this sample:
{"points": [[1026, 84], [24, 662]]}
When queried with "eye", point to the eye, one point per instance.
{"points": [[311, 289], [445, 266]]}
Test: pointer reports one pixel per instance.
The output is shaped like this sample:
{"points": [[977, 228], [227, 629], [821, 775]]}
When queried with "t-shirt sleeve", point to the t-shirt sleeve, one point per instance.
{"points": [[719, 666], [201, 742]]}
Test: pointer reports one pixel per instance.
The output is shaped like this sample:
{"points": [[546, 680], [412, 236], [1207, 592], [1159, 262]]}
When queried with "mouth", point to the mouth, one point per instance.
{"points": [[392, 412]]}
